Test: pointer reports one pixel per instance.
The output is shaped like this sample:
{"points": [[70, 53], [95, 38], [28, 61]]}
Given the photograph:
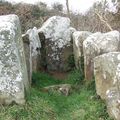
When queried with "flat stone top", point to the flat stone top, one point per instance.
{"points": [[8, 23], [80, 36], [110, 54], [99, 37], [8, 18], [79, 33], [103, 42]]}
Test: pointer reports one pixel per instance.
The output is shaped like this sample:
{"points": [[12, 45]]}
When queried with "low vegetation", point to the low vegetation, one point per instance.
{"points": [[35, 15], [82, 104]]}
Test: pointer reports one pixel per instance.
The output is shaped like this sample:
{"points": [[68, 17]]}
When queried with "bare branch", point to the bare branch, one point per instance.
{"points": [[104, 21], [68, 10]]}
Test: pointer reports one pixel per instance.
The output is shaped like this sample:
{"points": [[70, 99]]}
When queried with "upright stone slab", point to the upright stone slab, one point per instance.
{"points": [[57, 32], [35, 45], [113, 96], [105, 67], [97, 44], [78, 38], [28, 55], [13, 72], [113, 103]]}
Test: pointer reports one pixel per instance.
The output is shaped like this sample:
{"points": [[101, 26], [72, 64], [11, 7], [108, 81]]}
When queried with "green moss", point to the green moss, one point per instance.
{"points": [[71, 61]]}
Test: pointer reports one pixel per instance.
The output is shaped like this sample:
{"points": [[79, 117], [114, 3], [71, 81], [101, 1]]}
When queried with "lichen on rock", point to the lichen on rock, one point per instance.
{"points": [[57, 32], [98, 44], [78, 39], [34, 48], [13, 72], [106, 72]]}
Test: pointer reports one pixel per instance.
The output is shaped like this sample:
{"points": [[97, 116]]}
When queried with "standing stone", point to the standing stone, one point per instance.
{"points": [[113, 96], [28, 56], [43, 60], [35, 45], [78, 38], [58, 33], [13, 71], [97, 44], [105, 67], [113, 103]]}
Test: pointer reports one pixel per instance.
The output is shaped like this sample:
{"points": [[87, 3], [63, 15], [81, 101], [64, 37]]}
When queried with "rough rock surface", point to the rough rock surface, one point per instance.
{"points": [[105, 67], [113, 96], [13, 71], [63, 89], [35, 45], [97, 44], [57, 32], [78, 38], [28, 55], [113, 103]]}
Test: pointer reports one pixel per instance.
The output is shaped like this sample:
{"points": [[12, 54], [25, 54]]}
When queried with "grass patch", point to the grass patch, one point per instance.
{"points": [[80, 105]]}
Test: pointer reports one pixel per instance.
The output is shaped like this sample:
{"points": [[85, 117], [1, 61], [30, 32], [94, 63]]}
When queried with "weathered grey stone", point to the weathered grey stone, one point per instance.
{"points": [[35, 45], [113, 96], [113, 103], [105, 67], [43, 60], [64, 89], [97, 44], [57, 32], [13, 71], [78, 38], [28, 55]]}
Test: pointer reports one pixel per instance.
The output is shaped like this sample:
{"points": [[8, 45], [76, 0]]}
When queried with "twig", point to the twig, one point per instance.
{"points": [[104, 21]]}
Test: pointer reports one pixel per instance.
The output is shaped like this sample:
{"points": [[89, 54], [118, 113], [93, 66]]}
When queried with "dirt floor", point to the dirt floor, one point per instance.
{"points": [[59, 75]]}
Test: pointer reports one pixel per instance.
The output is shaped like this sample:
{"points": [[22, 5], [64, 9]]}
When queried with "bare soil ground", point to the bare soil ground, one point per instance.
{"points": [[59, 75]]}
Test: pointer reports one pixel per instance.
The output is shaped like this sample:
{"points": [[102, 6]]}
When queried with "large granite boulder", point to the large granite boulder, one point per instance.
{"points": [[78, 38], [35, 46], [97, 44], [105, 67], [58, 47], [13, 72]]}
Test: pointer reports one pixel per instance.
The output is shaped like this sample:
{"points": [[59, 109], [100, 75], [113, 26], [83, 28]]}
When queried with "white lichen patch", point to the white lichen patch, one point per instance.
{"points": [[114, 112], [118, 57], [117, 75], [104, 76], [104, 43], [1, 66], [109, 94]]}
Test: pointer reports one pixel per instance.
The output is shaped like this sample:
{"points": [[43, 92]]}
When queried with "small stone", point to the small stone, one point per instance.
{"points": [[63, 89]]}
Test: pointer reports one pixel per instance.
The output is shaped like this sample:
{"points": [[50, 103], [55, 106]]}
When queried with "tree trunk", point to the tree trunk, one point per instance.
{"points": [[67, 6]]}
